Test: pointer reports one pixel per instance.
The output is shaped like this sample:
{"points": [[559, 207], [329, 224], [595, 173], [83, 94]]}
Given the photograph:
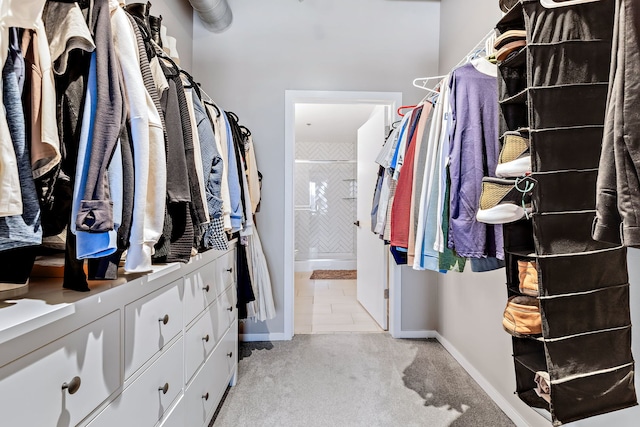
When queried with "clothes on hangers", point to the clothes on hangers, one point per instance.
{"points": [[23, 14], [113, 141], [432, 167], [473, 154]]}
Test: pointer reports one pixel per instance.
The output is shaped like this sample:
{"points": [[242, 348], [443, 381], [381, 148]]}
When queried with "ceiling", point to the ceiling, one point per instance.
{"points": [[337, 123]]}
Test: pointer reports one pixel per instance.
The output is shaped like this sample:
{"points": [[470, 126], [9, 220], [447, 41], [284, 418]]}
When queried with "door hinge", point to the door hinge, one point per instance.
{"points": [[386, 294]]}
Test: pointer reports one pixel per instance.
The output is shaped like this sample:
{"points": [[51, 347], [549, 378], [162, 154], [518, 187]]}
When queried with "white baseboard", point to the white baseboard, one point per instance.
{"points": [[483, 382], [415, 334], [262, 337]]}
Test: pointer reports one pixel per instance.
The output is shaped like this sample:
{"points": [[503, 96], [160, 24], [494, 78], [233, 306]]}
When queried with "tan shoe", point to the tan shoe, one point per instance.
{"points": [[528, 276], [522, 316]]}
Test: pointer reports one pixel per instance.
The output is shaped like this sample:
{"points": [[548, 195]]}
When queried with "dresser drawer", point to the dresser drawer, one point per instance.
{"points": [[206, 390], [200, 290], [145, 401], [174, 418], [31, 388], [150, 323], [226, 270], [203, 336]]}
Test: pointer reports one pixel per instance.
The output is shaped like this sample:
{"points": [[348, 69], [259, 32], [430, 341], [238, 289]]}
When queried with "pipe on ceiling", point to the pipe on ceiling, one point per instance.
{"points": [[215, 15]]}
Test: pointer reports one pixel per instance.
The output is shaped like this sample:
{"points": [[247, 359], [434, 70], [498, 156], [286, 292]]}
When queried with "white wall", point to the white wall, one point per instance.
{"points": [[275, 45], [471, 304], [177, 16]]}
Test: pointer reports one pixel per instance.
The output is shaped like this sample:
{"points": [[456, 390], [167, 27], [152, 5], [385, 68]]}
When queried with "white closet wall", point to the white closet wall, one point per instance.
{"points": [[278, 45], [177, 16]]}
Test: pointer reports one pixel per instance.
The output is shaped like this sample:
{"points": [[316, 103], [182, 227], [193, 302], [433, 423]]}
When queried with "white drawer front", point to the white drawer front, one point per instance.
{"points": [[226, 270], [202, 337], [31, 392], [175, 418], [144, 402], [206, 390], [150, 323], [200, 290]]}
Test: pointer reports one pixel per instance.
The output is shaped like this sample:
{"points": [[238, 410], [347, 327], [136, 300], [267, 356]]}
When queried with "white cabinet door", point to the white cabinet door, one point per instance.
{"points": [[203, 336], [204, 393], [146, 400], [200, 290], [175, 417], [150, 323], [87, 360], [372, 254]]}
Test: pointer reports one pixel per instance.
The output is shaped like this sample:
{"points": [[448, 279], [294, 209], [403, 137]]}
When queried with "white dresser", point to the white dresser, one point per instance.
{"points": [[145, 350]]}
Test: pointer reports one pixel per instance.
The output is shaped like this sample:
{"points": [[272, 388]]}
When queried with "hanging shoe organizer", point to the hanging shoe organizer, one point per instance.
{"points": [[555, 90]]}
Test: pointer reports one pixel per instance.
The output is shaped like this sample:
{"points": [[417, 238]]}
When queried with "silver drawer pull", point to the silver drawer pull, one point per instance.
{"points": [[230, 354], [230, 270], [164, 389], [206, 288], [230, 308], [72, 386], [164, 319], [205, 338], [205, 396]]}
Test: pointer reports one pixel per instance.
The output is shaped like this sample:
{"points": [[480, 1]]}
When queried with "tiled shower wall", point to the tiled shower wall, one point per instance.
{"points": [[325, 200]]}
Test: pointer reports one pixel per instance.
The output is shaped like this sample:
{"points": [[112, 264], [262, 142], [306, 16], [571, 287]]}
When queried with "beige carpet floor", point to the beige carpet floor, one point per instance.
{"points": [[354, 380]]}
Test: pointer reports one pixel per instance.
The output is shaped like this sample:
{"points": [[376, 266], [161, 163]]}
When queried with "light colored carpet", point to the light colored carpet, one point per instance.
{"points": [[352, 380], [334, 275]]}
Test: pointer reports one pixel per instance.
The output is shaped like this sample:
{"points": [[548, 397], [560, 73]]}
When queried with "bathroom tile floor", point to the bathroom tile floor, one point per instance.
{"points": [[329, 306]]}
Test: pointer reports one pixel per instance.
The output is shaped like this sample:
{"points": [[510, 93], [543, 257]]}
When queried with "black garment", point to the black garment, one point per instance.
{"points": [[176, 231], [245, 290], [16, 264], [197, 205], [618, 201]]}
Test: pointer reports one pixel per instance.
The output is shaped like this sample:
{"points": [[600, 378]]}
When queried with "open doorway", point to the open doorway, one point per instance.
{"points": [[331, 151]]}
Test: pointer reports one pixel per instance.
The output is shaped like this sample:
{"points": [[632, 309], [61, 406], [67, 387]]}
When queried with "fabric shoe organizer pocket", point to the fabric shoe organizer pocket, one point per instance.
{"points": [[513, 76], [513, 273], [567, 357], [518, 237], [564, 191], [587, 21], [582, 146], [529, 358], [567, 105], [584, 312], [593, 394], [558, 275], [515, 114], [569, 62], [565, 233]]}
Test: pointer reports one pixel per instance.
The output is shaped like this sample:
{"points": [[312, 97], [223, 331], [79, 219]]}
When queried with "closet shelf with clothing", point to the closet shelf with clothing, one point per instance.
{"points": [[122, 157]]}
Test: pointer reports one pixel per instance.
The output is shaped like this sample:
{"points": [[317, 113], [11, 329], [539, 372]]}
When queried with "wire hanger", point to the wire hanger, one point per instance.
{"points": [[421, 83]]}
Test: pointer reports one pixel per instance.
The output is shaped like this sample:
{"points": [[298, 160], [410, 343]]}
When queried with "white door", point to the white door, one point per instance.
{"points": [[372, 254]]}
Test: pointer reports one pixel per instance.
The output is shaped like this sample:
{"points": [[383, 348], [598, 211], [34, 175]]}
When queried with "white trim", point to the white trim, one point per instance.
{"points": [[494, 394], [416, 334], [291, 97], [277, 336]]}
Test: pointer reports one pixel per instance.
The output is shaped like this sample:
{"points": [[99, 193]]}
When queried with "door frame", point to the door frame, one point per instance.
{"points": [[293, 97]]}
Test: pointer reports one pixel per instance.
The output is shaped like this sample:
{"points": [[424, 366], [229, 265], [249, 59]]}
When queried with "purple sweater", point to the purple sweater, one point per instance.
{"points": [[473, 154]]}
